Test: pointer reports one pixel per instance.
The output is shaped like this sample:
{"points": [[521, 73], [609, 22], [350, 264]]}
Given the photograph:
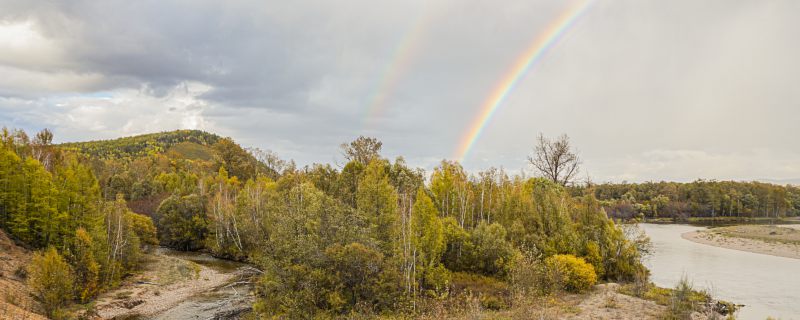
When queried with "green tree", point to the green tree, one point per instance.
{"points": [[377, 200], [358, 268], [87, 270], [37, 221], [182, 222], [427, 236], [236, 160], [362, 150]]}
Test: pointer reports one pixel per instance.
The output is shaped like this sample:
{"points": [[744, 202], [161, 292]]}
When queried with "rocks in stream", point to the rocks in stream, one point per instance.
{"points": [[234, 313], [131, 303]]}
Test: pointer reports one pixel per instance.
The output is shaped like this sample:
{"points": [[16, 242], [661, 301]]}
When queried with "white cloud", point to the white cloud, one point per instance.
{"points": [[122, 112], [646, 89]]}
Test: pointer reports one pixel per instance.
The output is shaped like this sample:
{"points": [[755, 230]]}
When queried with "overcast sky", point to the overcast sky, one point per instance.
{"points": [[647, 90]]}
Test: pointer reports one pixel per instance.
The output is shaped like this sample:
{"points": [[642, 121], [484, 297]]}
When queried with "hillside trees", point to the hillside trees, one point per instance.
{"points": [[124, 234], [225, 239], [257, 205], [52, 201], [236, 160]]}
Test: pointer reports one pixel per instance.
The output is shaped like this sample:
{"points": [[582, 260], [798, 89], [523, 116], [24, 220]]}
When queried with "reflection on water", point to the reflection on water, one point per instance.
{"points": [[221, 265], [767, 285]]}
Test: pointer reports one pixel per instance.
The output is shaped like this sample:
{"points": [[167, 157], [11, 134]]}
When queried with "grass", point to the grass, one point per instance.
{"points": [[680, 301], [123, 295], [192, 151], [172, 270], [663, 296]]}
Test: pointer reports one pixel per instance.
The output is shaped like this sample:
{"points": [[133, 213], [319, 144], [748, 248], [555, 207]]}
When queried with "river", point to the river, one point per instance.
{"points": [[766, 285], [227, 302], [178, 285]]}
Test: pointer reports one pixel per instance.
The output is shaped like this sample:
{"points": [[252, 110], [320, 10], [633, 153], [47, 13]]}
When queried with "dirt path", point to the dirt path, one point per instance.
{"points": [[167, 282], [770, 240]]}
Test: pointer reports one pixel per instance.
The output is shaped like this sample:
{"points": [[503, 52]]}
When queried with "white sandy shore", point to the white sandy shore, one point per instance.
{"points": [[779, 249]]}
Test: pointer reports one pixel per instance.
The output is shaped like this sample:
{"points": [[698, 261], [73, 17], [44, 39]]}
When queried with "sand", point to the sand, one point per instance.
{"points": [[756, 239]]}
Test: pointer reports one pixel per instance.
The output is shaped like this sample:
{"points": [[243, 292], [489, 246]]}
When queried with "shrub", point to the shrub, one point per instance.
{"points": [[437, 280], [572, 274], [50, 278], [684, 300], [527, 274], [484, 250]]}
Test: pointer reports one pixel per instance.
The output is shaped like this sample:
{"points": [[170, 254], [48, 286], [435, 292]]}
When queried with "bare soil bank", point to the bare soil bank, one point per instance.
{"points": [[15, 298]]}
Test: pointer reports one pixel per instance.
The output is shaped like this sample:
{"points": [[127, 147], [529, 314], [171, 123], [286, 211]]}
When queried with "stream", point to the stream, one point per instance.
{"points": [[227, 302]]}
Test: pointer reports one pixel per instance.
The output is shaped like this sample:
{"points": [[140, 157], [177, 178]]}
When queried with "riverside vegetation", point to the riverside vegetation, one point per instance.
{"points": [[374, 238]]}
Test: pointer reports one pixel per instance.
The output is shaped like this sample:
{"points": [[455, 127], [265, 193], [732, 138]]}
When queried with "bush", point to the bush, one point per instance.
{"points": [[571, 273], [50, 278], [437, 280], [680, 306], [527, 274]]}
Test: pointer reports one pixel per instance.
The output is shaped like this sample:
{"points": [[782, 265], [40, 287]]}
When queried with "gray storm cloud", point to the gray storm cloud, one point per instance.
{"points": [[647, 90]]}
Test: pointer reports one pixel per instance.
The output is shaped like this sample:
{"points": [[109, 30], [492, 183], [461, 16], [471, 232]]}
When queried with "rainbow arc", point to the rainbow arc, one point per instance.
{"points": [[535, 52]]}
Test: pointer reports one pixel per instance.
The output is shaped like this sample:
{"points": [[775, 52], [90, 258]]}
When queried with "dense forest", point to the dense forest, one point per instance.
{"points": [[371, 237], [701, 198]]}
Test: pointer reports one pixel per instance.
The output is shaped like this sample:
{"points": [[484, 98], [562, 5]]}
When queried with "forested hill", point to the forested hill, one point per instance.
{"points": [[190, 142]]}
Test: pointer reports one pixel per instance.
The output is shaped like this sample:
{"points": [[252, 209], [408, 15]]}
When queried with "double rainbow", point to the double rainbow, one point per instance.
{"points": [[531, 57], [401, 58]]}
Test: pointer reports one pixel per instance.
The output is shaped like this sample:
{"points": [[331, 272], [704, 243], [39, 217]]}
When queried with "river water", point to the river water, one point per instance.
{"points": [[766, 285], [222, 303]]}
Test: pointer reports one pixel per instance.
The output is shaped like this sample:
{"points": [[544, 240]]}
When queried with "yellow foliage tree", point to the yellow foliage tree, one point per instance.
{"points": [[50, 278]]}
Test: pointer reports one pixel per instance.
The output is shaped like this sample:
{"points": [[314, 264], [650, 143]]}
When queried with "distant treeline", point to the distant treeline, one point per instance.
{"points": [[701, 198]]}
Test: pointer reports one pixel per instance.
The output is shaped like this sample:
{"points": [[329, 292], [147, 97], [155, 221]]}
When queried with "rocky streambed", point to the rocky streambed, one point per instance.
{"points": [[180, 285]]}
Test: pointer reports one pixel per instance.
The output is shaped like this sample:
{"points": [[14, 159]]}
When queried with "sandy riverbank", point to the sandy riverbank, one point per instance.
{"points": [[167, 282], [772, 240]]}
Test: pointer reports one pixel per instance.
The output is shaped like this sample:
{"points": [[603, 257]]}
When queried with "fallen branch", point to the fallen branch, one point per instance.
{"points": [[237, 283], [252, 269]]}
